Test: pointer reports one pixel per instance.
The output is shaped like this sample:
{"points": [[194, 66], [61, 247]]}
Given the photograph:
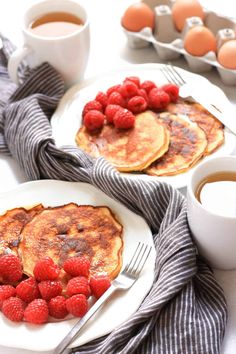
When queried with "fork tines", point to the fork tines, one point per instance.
{"points": [[139, 259], [172, 75]]}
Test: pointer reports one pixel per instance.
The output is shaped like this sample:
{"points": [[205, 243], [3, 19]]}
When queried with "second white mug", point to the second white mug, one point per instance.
{"points": [[214, 234]]}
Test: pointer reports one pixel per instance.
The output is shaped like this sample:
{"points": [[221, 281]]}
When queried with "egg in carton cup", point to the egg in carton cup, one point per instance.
{"points": [[173, 34]]}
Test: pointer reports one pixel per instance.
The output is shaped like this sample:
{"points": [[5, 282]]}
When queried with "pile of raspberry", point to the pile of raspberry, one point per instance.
{"points": [[119, 104], [35, 299]]}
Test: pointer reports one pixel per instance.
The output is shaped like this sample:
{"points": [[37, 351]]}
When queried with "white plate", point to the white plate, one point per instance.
{"points": [[67, 118], [120, 306]]}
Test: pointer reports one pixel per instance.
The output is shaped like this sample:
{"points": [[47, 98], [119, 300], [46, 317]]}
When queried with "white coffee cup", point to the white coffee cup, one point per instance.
{"points": [[214, 234], [67, 54]]}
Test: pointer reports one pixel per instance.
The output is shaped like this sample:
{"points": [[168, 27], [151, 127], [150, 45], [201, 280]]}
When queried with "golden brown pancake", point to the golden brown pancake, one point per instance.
{"points": [[70, 230], [11, 224], [128, 150], [212, 127], [187, 145]]}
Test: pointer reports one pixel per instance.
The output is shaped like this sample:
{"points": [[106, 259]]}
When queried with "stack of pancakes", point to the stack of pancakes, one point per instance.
{"points": [[160, 144], [62, 232]]}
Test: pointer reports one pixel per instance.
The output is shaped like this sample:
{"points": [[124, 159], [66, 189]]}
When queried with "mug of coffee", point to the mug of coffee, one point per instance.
{"points": [[57, 32], [211, 211]]}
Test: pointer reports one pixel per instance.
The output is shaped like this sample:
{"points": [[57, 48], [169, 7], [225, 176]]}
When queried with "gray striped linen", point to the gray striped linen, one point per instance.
{"points": [[185, 310]]}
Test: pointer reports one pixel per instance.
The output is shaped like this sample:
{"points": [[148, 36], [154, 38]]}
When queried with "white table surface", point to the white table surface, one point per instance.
{"points": [[109, 51]]}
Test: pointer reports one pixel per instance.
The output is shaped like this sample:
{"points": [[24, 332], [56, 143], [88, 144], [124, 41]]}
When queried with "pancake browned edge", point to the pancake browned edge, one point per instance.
{"points": [[187, 145], [128, 150], [212, 127], [70, 230], [11, 225]]}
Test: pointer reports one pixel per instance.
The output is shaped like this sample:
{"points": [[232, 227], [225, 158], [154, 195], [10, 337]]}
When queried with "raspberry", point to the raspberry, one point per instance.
{"points": [[76, 266], [143, 93], [112, 89], [92, 105], [110, 111], [36, 312], [94, 120], [28, 290], [137, 104], [13, 309], [172, 90], [57, 307], [50, 288], [158, 99], [10, 268], [6, 291], [116, 98], [46, 269], [77, 305], [102, 98], [99, 285], [78, 285], [124, 119], [128, 89], [148, 85], [134, 79]]}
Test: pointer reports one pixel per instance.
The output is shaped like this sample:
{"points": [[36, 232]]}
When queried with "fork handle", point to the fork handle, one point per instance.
{"points": [[77, 327]]}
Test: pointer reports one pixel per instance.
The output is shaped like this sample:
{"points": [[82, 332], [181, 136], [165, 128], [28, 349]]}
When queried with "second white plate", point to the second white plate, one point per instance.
{"points": [[67, 119]]}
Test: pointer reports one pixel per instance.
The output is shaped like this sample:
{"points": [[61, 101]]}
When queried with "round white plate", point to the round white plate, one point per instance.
{"points": [[67, 118], [121, 305]]}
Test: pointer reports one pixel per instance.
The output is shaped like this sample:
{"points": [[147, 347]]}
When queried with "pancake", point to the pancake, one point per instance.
{"points": [[212, 127], [11, 225], [70, 230], [187, 145], [128, 150]]}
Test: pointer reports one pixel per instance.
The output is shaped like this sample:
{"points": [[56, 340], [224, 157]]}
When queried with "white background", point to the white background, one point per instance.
{"points": [[109, 51]]}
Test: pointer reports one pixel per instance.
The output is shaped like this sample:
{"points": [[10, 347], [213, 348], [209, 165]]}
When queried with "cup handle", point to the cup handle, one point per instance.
{"points": [[14, 61]]}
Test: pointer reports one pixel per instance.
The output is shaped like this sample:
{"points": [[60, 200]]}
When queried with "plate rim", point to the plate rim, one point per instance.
{"points": [[48, 183]]}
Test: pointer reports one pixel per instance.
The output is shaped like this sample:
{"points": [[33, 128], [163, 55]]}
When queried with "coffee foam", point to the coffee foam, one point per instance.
{"points": [[219, 198]]}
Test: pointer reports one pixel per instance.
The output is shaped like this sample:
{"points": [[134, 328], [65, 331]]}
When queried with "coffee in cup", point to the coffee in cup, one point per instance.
{"points": [[217, 193], [56, 24]]}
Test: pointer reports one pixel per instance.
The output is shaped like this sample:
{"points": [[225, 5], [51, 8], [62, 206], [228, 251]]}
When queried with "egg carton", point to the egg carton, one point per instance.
{"points": [[168, 42]]}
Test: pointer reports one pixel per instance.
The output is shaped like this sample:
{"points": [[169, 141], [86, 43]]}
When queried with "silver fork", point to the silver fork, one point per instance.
{"points": [[187, 90], [125, 280]]}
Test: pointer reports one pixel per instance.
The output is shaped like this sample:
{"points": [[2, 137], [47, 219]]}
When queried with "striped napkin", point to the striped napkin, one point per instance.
{"points": [[185, 310]]}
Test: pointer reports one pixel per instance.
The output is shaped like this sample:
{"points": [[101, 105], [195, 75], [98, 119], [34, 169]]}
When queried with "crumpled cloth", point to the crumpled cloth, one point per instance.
{"points": [[185, 311]]}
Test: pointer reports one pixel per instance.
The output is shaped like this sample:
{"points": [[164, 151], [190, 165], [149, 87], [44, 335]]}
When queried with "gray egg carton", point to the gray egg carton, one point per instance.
{"points": [[168, 42]]}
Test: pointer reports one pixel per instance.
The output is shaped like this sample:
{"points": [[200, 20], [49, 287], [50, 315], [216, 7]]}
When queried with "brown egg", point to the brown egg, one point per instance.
{"points": [[199, 40], [227, 55], [138, 16], [182, 9]]}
